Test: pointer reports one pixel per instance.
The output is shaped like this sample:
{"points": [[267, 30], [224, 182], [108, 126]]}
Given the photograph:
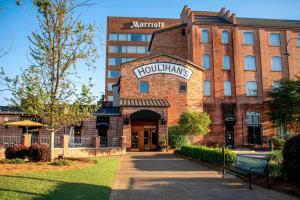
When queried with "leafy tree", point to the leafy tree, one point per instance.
{"points": [[285, 104], [47, 87], [194, 123]]}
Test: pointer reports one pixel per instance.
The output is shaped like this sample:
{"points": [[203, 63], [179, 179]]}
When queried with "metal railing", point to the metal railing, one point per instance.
{"points": [[40, 139], [58, 141], [8, 140], [77, 142], [112, 142]]}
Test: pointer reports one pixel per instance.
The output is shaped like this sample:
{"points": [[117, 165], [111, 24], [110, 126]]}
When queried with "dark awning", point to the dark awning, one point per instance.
{"points": [[144, 103], [102, 125]]}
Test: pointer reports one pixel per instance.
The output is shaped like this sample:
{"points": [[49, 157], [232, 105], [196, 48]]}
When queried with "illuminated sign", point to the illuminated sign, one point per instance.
{"points": [[163, 68], [136, 24]]}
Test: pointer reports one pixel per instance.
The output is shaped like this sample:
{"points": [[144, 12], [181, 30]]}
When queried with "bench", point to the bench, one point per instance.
{"points": [[249, 166]]}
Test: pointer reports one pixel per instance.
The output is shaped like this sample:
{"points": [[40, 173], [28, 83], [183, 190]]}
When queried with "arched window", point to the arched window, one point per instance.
{"points": [[144, 87]]}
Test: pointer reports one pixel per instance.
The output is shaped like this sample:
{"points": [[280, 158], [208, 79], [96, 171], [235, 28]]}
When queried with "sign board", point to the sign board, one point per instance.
{"points": [[163, 68], [137, 25]]}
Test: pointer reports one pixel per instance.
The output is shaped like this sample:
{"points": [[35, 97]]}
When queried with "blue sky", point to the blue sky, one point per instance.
{"points": [[18, 22]]}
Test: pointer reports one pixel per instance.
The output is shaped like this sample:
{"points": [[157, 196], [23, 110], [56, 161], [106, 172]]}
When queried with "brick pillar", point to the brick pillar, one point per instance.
{"points": [[65, 145], [26, 139], [97, 145]]}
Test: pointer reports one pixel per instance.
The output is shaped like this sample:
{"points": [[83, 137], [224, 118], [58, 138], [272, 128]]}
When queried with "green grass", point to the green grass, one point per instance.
{"points": [[93, 182]]}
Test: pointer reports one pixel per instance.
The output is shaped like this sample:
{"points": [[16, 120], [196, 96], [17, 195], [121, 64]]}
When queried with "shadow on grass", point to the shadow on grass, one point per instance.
{"points": [[66, 190]]}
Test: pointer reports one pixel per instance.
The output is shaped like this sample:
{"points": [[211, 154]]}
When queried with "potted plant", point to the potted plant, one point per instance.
{"points": [[163, 145]]}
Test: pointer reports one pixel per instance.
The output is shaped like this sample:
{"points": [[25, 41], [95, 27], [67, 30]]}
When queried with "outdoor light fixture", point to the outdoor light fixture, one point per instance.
{"points": [[163, 120], [126, 119]]}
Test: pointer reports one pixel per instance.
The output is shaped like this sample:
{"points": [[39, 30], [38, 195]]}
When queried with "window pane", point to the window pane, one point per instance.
{"points": [[207, 88], [274, 39], [248, 38], [148, 37], [276, 63], [141, 49], [131, 49], [113, 74], [113, 36], [251, 88], [249, 63], [275, 85], [144, 87], [227, 88], [113, 49], [205, 36], [122, 37], [206, 61], [182, 87], [225, 37], [136, 37], [226, 62]]}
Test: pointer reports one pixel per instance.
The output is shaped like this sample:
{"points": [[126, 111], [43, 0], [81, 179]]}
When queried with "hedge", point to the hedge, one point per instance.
{"points": [[211, 155], [39, 152], [16, 151]]}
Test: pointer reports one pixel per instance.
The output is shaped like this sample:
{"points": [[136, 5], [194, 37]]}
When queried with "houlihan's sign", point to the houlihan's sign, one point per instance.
{"points": [[136, 24], [163, 68]]}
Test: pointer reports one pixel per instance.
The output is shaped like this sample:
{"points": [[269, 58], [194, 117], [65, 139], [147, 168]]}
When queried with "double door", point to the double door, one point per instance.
{"points": [[144, 138]]}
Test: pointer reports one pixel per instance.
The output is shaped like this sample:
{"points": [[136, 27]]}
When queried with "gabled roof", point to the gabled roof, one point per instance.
{"points": [[10, 110], [167, 55], [144, 103]]}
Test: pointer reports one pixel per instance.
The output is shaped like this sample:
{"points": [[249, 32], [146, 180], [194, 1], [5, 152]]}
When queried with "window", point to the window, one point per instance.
{"points": [[110, 98], [141, 49], [118, 61], [137, 37], [205, 36], [207, 91], [113, 36], [131, 49], [274, 39], [227, 88], [206, 61], [113, 74], [182, 87], [276, 64], [298, 41], [248, 38], [250, 63], [226, 62], [253, 118], [251, 88], [122, 37], [225, 37], [144, 87], [275, 85], [129, 37], [109, 87]]}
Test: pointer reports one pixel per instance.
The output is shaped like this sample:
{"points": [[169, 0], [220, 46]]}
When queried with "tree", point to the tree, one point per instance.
{"points": [[47, 87], [194, 123], [285, 104]]}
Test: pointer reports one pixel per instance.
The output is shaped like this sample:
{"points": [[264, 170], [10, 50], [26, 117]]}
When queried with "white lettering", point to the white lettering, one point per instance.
{"points": [[163, 68], [136, 24]]}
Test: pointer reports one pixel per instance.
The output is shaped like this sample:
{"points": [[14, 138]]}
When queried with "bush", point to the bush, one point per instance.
{"points": [[16, 151], [275, 156], [278, 142], [211, 155], [291, 158], [275, 169], [62, 162], [39, 152], [13, 161], [176, 137]]}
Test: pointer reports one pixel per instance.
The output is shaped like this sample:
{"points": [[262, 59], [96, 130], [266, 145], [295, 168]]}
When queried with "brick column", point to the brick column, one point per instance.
{"points": [[26, 139], [65, 145]]}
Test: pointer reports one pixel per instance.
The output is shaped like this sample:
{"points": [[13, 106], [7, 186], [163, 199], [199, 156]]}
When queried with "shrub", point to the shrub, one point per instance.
{"points": [[211, 155], [275, 169], [278, 142], [16, 151], [275, 156], [12, 161], [291, 158], [62, 162], [177, 138], [39, 152]]}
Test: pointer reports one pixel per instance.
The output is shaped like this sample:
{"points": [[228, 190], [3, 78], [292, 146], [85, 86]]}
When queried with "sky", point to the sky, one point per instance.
{"points": [[18, 22]]}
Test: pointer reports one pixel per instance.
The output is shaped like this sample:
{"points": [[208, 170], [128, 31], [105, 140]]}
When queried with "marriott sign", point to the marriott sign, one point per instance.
{"points": [[136, 24]]}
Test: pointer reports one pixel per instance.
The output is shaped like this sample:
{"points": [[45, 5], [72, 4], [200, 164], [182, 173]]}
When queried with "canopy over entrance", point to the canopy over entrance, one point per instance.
{"points": [[24, 123], [145, 115]]}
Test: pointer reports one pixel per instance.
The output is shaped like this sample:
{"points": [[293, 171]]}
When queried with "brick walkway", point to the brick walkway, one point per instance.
{"points": [[154, 175]]}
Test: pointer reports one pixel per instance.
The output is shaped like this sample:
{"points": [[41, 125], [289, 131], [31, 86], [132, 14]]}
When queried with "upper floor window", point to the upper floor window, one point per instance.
{"points": [[227, 88], [114, 74], [276, 63], [118, 61], [129, 37], [205, 36], [182, 87], [248, 38], [226, 62], [144, 87], [274, 39], [250, 63], [206, 87], [206, 61], [251, 88], [110, 98], [225, 37]]}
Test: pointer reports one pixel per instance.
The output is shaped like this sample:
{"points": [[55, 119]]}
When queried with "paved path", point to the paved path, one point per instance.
{"points": [[155, 176]]}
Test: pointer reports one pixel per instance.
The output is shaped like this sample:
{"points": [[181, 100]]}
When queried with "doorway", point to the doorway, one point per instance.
{"points": [[254, 135], [229, 135], [150, 139]]}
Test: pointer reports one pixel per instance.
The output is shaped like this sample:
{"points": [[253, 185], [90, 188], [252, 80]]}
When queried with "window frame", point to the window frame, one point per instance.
{"points": [[272, 64], [228, 67], [271, 40], [248, 68], [227, 94], [249, 94], [202, 38], [227, 37], [182, 84], [203, 60], [142, 89], [207, 93], [252, 39]]}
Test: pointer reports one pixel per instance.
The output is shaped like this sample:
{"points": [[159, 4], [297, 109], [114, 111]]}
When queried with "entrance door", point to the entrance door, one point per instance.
{"points": [[150, 139], [230, 135], [254, 135]]}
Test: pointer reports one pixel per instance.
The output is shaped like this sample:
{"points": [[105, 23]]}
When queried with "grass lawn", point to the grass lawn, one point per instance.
{"points": [[93, 182]]}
